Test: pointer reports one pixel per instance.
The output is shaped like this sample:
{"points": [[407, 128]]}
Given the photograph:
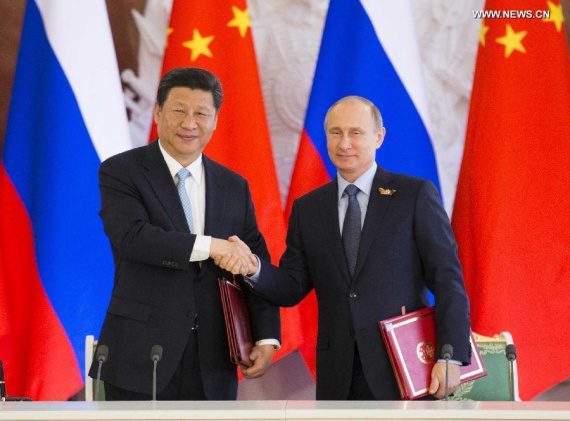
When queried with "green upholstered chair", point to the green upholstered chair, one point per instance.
{"points": [[496, 385], [90, 347]]}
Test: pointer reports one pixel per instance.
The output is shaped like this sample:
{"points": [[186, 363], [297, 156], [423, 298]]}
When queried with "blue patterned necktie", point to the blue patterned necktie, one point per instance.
{"points": [[351, 228], [183, 174]]}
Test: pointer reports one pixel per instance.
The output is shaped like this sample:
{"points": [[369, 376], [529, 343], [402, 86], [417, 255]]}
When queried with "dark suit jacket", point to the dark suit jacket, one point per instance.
{"points": [[407, 245], [157, 291]]}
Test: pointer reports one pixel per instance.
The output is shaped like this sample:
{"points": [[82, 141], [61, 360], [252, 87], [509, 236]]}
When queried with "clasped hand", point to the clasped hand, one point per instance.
{"points": [[233, 255]]}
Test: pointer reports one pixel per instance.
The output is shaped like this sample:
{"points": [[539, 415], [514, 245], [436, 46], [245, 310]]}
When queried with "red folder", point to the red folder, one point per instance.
{"points": [[238, 326], [411, 343]]}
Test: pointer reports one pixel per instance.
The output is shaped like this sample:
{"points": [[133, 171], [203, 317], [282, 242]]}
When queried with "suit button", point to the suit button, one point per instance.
{"points": [[165, 263], [353, 295]]}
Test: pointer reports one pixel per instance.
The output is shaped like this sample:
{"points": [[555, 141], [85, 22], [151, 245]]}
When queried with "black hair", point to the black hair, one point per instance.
{"points": [[193, 78]]}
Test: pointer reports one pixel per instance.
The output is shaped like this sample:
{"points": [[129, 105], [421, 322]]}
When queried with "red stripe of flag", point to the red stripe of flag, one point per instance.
{"points": [[33, 345]]}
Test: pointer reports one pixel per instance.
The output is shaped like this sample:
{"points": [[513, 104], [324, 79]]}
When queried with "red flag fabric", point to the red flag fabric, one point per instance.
{"points": [[511, 213], [216, 35]]}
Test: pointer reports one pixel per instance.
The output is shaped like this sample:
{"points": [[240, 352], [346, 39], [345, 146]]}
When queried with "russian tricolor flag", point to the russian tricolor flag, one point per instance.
{"points": [[369, 49], [56, 271]]}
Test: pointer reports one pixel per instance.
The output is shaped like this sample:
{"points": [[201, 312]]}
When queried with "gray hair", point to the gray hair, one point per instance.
{"points": [[376, 116]]}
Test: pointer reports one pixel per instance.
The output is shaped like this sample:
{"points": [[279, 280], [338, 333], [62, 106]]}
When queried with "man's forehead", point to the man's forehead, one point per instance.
{"points": [[350, 117], [183, 92]]}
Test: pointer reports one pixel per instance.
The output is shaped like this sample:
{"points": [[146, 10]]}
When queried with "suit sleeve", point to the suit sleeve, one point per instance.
{"points": [[127, 224], [442, 271], [289, 283], [265, 316]]}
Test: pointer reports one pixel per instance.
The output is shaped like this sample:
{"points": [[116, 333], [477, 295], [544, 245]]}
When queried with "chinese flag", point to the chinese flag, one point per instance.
{"points": [[512, 209], [216, 35]]}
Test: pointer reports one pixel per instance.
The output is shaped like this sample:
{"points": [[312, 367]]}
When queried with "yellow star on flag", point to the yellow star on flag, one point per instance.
{"points": [[240, 20], [512, 41], [199, 45], [168, 32], [556, 15], [482, 33]]}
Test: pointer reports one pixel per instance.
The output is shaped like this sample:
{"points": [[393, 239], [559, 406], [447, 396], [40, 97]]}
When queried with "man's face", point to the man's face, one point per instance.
{"points": [[185, 123], [352, 138]]}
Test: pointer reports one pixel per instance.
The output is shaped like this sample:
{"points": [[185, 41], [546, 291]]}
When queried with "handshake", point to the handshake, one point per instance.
{"points": [[233, 255]]}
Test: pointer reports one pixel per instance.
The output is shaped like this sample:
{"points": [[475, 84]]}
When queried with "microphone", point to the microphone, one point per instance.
{"points": [[155, 356], [102, 356], [511, 353], [446, 354], [2, 384]]}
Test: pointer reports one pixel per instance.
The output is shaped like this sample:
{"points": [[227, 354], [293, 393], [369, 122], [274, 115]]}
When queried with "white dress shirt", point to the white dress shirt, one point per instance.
{"points": [[196, 190]]}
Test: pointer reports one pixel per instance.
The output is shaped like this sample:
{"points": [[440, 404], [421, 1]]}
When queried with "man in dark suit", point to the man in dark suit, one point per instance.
{"points": [[369, 242], [168, 210]]}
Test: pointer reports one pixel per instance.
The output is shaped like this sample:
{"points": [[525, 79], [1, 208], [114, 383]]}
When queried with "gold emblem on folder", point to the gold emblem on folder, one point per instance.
{"points": [[386, 192], [426, 352]]}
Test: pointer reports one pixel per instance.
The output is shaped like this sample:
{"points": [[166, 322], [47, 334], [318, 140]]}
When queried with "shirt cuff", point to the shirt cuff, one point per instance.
{"points": [[273, 342], [451, 362], [252, 279], [201, 250]]}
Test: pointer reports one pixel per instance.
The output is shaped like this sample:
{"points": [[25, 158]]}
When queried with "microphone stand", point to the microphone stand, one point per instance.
{"points": [[102, 355], [511, 352], [155, 361], [447, 353], [2, 384], [446, 377], [155, 356], [98, 379]]}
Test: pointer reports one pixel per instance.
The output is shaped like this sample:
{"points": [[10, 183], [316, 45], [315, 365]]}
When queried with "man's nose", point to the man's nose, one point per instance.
{"points": [[189, 122], [345, 142]]}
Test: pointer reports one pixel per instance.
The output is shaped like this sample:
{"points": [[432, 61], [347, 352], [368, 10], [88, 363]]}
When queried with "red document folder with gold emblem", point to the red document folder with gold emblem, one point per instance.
{"points": [[237, 322], [411, 343]]}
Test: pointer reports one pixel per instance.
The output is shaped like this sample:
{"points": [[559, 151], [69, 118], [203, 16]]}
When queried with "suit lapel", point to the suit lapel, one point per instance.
{"points": [[157, 174], [329, 215], [216, 203], [377, 205]]}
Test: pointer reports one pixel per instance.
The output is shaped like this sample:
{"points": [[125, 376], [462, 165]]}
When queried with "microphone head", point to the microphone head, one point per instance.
{"points": [[102, 353], [156, 353], [511, 352], [447, 352]]}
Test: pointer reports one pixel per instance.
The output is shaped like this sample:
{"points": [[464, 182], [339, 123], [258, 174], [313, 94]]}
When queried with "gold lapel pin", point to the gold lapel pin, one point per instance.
{"points": [[386, 192]]}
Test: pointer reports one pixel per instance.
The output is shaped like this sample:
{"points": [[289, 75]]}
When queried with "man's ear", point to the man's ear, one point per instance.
{"points": [[216, 120], [381, 135], [156, 112]]}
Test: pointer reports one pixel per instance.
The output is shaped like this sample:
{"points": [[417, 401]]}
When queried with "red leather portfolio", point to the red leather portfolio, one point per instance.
{"points": [[411, 343], [237, 322]]}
